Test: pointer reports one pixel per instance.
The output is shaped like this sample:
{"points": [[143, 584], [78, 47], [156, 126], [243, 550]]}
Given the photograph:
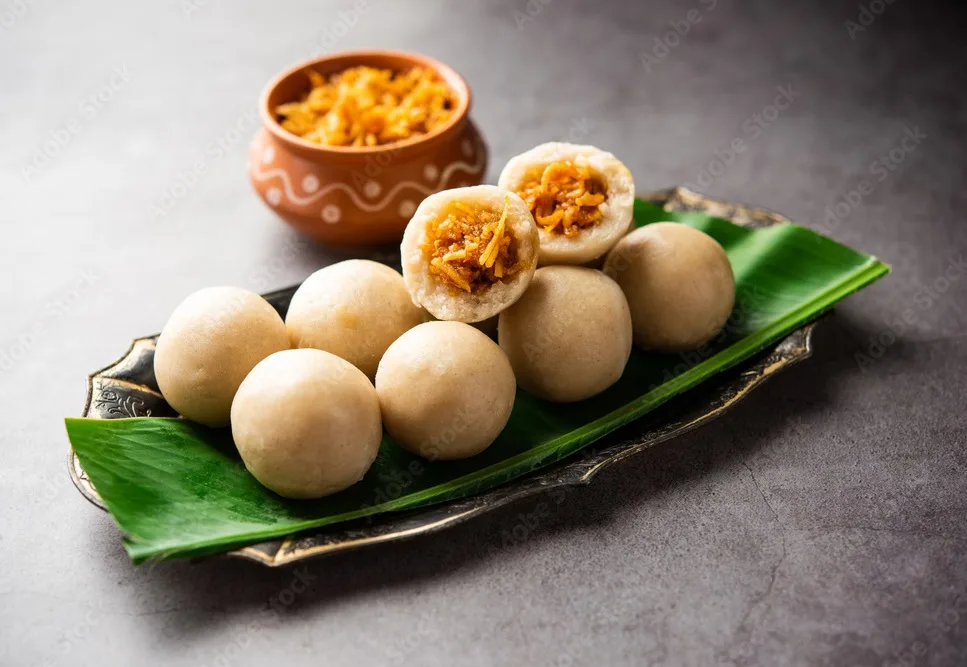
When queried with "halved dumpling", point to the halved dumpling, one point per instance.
{"points": [[582, 199], [469, 253]]}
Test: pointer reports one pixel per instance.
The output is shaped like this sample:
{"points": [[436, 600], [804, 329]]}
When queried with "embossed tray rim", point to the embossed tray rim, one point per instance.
{"points": [[577, 470]]}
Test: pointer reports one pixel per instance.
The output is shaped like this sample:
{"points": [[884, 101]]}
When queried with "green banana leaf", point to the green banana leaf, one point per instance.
{"points": [[177, 489]]}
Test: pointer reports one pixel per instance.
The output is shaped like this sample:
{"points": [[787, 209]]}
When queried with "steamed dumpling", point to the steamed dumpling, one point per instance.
{"points": [[210, 343], [582, 199], [354, 309], [569, 337], [468, 253], [678, 282], [446, 390], [306, 423]]}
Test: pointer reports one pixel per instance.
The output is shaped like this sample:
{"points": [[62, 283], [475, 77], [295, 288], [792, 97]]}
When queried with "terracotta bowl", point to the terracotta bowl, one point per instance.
{"points": [[347, 195]]}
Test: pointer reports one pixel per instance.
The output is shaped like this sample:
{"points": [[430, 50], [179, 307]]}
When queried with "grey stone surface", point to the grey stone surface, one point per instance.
{"points": [[821, 522]]}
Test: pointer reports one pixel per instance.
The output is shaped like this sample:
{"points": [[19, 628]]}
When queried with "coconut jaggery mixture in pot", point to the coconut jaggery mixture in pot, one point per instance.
{"points": [[472, 248], [368, 106], [564, 199]]}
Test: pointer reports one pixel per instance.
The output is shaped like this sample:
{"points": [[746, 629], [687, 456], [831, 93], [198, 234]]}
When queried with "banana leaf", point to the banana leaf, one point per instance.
{"points": [[177, 489]]}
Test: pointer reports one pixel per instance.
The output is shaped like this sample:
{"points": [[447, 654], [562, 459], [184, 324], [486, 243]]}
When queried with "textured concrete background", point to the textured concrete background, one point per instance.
{"points": [[821, 522]]}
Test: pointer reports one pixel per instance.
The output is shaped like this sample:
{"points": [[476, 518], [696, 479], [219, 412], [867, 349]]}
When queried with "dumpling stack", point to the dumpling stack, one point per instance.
{"points": [[308, 397], [470, 254]]}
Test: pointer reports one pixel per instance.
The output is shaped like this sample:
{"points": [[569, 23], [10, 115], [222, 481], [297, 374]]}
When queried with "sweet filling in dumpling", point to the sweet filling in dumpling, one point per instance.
{"points": [[581, 198], [468, 253], [564, 197], [472, 247]]}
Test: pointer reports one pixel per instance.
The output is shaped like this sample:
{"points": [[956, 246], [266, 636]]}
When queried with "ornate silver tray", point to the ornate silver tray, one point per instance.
{"points": [[127, 388]]}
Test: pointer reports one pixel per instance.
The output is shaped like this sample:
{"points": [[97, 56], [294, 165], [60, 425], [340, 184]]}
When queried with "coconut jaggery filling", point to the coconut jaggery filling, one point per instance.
{"points": [[472, 248], [368, 106], [565, 198]]}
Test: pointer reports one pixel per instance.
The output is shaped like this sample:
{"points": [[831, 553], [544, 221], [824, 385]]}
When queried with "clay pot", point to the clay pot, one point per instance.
{"points": [[346, 195]]}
